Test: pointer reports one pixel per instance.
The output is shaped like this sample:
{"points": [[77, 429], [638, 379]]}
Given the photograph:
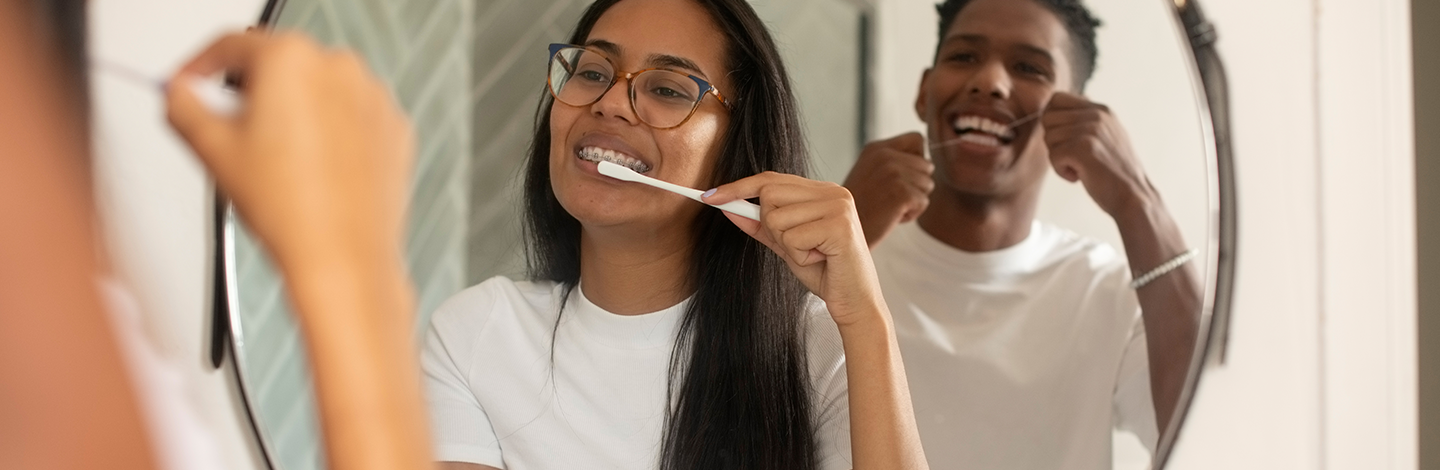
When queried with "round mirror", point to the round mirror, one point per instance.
{"points": [[469, 74]]}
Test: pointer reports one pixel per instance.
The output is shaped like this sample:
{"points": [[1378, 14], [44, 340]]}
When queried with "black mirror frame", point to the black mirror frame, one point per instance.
{"points": [[1201, 36]]}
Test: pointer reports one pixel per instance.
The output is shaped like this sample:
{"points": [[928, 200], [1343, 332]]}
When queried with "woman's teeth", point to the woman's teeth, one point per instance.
{"points": [[597, 155], [968, 125]]}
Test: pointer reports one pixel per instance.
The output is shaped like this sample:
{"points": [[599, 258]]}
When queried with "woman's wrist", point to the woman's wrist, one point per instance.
{"points": [[334, 277], [867, 315]]}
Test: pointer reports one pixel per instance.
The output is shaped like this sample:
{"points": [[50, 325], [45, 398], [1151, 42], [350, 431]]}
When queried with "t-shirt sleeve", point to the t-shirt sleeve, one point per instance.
{"points": [[831, 390], [1134, 406], [459, 425]]}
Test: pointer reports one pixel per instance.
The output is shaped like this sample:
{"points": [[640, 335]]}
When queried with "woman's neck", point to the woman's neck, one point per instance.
{"points": [[626, 274]]}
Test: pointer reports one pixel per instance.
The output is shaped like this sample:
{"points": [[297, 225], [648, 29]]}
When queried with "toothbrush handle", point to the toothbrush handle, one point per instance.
{"points": [[741, 208]]}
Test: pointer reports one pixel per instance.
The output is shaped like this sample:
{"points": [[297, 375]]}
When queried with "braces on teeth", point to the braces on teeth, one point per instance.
{"points": [[596, 154]]}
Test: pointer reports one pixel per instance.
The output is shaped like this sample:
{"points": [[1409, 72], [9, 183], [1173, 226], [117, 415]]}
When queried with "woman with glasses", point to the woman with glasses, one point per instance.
{"points": [[655, 332]]}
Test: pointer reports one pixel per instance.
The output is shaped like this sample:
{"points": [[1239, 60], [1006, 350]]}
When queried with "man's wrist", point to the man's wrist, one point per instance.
{"points": [[1138, 210]]}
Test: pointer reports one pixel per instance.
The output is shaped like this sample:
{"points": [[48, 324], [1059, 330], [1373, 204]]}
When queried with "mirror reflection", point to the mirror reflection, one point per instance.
{"points": [[1037, 316], [1057, 161]]}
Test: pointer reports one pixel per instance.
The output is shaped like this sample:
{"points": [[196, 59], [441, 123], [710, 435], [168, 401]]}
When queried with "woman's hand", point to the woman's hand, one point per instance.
{"points": [[813, 226], [319, 148], [318, 165]]}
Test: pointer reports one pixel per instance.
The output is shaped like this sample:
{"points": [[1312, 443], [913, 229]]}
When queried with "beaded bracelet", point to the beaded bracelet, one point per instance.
{"points": [[1168, 266]]}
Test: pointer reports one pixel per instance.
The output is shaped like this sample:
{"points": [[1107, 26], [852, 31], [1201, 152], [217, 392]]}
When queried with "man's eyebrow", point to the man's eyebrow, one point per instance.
{"points": [[1037, 51], [980, 39], [966, 38]]}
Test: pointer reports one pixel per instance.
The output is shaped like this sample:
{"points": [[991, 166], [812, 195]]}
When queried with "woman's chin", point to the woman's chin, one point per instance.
{"points": [[629, 214]]}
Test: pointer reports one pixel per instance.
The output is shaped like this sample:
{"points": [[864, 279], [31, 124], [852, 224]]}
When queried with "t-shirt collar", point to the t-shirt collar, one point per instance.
{"points": [[1020, 257], [643, 331]]}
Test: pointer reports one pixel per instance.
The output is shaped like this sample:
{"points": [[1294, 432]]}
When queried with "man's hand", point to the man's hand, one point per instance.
{"points": [[891, 184], [1088, 144]]}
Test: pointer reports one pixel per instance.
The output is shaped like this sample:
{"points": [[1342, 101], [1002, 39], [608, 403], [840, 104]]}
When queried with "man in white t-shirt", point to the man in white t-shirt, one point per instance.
{"points": [[1025, 344]]}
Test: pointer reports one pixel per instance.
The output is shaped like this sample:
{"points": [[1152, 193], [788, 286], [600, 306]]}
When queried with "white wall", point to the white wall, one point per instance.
{"points": [[1322, 370], [152, 197], [1262, 409]]}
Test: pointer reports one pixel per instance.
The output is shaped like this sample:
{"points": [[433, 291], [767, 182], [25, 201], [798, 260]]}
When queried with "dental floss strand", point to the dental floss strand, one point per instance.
{"points": [[1011, 126], [211, 93]]}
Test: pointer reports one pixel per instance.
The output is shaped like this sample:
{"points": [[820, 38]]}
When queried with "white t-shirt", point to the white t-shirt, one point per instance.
{"points": [[179, 437], [496, 398], [1021, 358]]}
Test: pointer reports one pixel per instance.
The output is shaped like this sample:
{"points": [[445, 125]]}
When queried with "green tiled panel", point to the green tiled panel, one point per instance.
{"points": [[509, 72], [423, 49]]}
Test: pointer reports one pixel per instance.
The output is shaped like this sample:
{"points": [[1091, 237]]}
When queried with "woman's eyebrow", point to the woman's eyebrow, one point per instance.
{"points": [[653, 60], [670, 61], [604, 46]]}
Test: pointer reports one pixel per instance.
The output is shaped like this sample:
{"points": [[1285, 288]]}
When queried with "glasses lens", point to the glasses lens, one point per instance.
{"points": [[578, 77], [664, 98]]}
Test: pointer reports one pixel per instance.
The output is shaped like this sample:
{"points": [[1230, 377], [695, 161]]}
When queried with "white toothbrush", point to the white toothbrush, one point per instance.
{"points": [[738, 207]]}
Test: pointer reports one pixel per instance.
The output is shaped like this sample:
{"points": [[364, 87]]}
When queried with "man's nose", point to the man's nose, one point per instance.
{"points": [[992, 79]]}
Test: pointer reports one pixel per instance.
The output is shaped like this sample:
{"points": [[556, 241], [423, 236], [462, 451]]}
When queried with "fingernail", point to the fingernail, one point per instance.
{"points": [[709, 193]]}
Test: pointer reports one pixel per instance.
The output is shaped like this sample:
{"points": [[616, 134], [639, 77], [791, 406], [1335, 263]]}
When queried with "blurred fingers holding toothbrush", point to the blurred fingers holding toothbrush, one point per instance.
{"points": [[891, 182], [318, 147], [1088, 145], [317, 163]]}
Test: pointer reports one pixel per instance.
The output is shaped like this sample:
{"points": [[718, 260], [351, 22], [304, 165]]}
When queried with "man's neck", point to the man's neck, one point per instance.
{"points": [[978, 223], [632, 274]]}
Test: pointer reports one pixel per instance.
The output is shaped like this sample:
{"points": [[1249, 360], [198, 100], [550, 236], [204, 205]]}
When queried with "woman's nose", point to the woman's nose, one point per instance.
{"points": [[616, 102]]}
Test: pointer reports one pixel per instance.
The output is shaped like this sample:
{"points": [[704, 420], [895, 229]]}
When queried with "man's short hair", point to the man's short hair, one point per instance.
{"points": [[1077, 20]]}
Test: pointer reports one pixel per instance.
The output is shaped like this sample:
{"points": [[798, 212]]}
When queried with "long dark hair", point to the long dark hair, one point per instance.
{"points": [[739, 388], [60, 29]]}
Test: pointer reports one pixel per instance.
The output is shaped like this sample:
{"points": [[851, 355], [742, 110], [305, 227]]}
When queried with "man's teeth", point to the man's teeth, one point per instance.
{"points": [[597, 154], [963, 124], [980, 138]]}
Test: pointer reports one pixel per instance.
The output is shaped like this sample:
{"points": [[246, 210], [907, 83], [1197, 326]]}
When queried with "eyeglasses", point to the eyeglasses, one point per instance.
{"points": [[661, 98]]}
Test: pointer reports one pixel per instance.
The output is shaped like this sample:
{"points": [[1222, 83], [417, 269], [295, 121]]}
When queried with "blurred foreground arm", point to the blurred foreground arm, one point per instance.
{"points": [[66, 400], [317, 164]]}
